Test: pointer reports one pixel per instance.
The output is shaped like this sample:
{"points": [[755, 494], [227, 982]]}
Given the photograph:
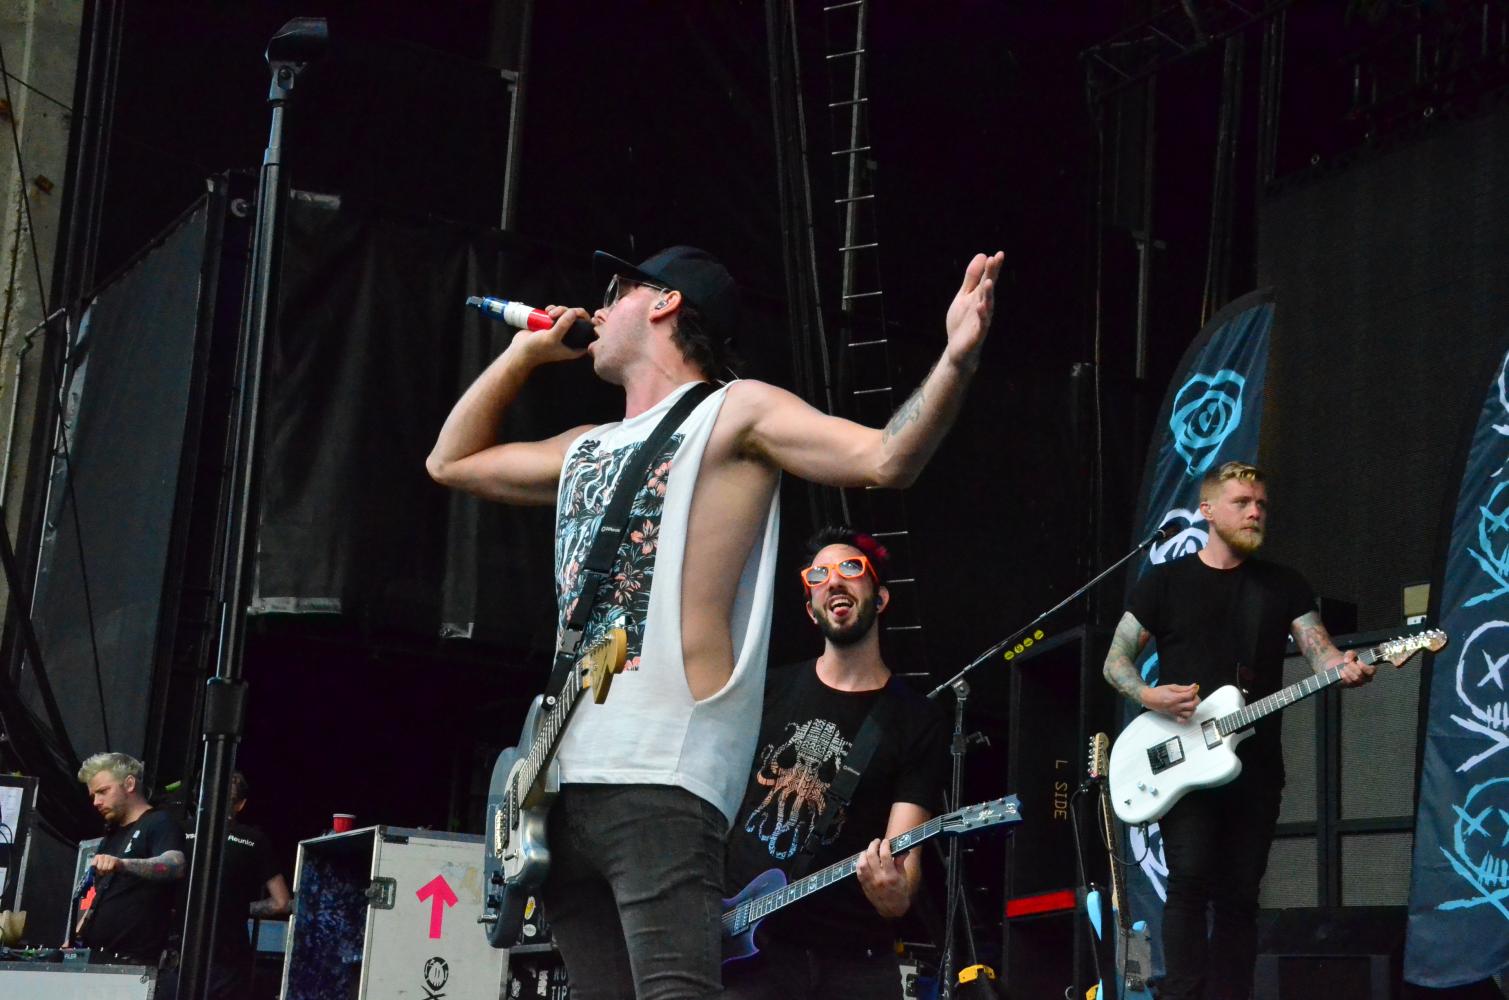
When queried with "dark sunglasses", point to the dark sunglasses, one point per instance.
{"points": [[620, 286]]}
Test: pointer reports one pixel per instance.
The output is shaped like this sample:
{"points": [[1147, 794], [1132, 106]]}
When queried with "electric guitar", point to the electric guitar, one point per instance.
{"points": [[1157, 760], [1133, 957], [525, 781], [768, 892]]}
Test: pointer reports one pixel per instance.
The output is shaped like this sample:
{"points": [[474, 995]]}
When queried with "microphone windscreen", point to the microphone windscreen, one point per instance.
{"points": [[581, 334]]}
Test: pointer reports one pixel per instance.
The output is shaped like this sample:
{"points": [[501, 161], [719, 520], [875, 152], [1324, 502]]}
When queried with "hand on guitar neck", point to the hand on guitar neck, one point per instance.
{"points": [[1354, 672]]}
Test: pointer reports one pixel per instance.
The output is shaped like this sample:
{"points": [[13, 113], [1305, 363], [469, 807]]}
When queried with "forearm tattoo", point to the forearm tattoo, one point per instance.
{"points": [[1314, 642], [905, 415], [164, 868], [1121, 669]]}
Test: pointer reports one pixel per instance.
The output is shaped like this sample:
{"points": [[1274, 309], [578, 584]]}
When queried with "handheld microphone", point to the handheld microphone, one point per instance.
{"points": [[522, 317]]}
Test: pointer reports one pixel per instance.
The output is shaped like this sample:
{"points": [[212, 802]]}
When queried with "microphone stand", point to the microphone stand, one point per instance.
{"points": [[959, 745], [297, 44]]}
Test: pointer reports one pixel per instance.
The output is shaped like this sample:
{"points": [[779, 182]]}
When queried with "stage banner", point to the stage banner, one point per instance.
{"points": [[1210, 415], [1459, 881]]}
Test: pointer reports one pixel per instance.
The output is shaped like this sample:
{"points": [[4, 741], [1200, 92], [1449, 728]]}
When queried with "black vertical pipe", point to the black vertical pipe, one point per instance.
{"points": [[288, 52], [84, 183], [518, 44], [798, 237]]}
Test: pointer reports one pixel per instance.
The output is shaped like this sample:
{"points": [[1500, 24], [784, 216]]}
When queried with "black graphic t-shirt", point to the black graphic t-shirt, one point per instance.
{"points": [[1207, 633], [249, 866], [807, 730], [131, 915]]}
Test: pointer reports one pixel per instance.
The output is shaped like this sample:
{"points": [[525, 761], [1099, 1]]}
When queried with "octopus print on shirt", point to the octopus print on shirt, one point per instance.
{"points": [[807, 733], [798, 774]]}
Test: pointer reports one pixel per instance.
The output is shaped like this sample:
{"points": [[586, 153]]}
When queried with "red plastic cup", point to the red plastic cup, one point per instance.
{"points": [[341, 822]]}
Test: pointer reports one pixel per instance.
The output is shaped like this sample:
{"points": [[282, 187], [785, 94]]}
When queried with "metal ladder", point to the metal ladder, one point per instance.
{"points": [[866, 374]]}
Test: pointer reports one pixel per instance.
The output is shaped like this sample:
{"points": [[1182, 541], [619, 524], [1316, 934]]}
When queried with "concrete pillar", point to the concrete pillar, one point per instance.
{"points": [[40, 43]]}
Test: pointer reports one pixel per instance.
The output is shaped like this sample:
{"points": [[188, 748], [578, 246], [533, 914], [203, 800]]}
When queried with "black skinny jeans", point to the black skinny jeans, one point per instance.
{"points": [[1216, 844], [634, 895]]}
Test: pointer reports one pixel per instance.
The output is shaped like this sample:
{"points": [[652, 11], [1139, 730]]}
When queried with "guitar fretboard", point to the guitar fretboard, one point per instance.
{"points": [[1283, 698], [543, 746], [744, 914]]}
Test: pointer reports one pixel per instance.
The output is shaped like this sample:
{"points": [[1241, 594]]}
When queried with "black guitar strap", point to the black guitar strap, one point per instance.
{"points": [[841, 791], [1247, 605], [610, 531]]}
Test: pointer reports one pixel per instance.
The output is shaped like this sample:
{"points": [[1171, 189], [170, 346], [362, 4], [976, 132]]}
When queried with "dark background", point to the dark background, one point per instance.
{"points": [[649, 124]]}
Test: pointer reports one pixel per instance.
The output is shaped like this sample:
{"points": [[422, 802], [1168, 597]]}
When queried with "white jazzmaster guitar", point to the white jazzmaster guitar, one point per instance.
{"points": [[1156, 760]]}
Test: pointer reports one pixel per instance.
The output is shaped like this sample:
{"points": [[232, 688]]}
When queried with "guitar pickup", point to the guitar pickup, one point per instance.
{"points": [[1162, 756]]}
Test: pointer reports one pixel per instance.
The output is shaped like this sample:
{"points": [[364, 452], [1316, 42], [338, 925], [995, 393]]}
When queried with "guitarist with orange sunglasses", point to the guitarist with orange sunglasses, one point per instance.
{"points": [[796, 816]]}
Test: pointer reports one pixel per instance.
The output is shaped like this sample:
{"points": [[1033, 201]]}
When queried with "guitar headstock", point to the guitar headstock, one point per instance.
{"points": [[599, 664], [1100, 756], [1398, 651], [982, 815]]}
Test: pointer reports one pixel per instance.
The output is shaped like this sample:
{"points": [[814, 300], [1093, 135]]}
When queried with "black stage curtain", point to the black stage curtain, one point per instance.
{"points": [[373, 347], [127, 405]]}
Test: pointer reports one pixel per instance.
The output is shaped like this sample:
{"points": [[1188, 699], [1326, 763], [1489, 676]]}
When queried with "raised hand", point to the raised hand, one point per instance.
{"points": [[969, 314]]}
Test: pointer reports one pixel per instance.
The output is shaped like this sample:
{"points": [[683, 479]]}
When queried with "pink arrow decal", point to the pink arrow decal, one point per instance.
{"points": [[440, 895]]}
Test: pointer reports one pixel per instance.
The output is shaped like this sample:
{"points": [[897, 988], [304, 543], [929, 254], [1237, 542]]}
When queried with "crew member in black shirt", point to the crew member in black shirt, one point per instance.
{"points": [[138, 862], [250, 886], [839, 941], [1221, 616]]}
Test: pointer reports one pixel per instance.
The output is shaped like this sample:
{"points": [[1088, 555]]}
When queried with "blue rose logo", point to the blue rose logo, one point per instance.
{"points": [[1207, 409]]}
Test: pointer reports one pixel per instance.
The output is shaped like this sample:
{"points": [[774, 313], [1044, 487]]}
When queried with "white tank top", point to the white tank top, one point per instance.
{"points": [[651, 730]]}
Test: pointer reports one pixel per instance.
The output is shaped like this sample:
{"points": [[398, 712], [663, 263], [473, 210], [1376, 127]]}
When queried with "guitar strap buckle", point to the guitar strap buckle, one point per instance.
{"points": [[571, 640]]}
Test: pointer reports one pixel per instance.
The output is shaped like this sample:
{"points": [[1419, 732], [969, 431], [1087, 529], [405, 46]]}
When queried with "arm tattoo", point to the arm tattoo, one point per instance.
{"points": [[905, 414], [166, 867], [1312, 639], [1120, 670]]}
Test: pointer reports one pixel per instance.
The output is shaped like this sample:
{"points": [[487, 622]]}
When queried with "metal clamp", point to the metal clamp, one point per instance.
{"points": [[382, 894]]}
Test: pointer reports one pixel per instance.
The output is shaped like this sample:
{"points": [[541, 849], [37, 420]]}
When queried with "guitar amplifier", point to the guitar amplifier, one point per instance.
{"points": [[1323, 952], [1054, 683]]}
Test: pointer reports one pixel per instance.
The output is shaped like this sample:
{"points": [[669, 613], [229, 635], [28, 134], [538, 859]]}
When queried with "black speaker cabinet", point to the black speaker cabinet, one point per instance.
{"points": [[1053, 684], [1346, 825], [1314, 953]]}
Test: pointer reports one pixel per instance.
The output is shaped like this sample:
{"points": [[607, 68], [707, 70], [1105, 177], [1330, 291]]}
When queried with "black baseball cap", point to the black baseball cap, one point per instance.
{"points": [[700, 277]]}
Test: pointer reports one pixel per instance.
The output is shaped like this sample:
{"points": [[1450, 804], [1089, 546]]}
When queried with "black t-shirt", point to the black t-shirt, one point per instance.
{"points": [[249, 866], [806, 731], [1215, 627], [130, 915]]}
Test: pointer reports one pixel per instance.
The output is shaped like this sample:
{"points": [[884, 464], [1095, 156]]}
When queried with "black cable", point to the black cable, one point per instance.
{"points": [[177, 159], [8, 841], [1084, 879], [35, 90], [1111, 850]]}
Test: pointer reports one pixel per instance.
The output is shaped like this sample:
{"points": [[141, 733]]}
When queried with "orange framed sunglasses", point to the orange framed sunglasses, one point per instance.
{"points": [[851, 568]]}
